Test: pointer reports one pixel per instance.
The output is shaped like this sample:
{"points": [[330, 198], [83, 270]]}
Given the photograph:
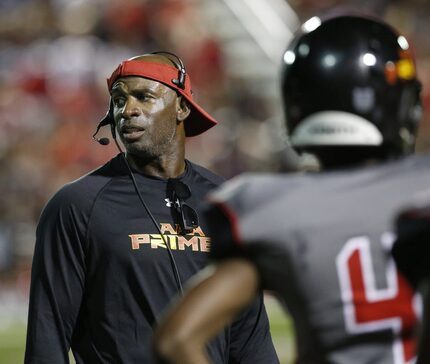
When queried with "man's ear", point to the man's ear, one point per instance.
{"points": [[182, 108]]}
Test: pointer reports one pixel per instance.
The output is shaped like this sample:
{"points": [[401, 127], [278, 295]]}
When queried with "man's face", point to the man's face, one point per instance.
{"points": [[145, 114]]}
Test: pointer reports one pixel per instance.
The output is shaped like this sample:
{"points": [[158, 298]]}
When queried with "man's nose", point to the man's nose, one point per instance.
{"points": [[131, 109]]}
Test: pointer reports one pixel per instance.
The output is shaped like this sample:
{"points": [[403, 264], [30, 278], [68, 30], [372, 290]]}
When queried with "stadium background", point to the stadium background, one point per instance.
{"points": [[55, 56]]}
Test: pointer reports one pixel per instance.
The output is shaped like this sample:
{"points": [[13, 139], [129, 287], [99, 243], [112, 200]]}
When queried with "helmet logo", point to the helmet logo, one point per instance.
{"points": [[363, 99]]}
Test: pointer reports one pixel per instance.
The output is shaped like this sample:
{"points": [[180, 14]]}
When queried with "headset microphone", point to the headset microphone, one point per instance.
{"points": [[105, 121], [102, 141]]}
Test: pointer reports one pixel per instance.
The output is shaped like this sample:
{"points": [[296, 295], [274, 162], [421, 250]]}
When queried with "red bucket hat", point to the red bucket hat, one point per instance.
{"points": [[198, 121]]}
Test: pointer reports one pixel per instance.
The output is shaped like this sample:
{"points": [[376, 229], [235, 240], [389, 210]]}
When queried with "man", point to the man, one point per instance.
{"points": [[116, 245], [321, 241], [411, 251]]}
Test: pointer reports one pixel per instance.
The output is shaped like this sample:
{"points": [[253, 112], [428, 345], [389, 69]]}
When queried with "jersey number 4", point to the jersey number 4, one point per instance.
{"points": [[368, 308]]}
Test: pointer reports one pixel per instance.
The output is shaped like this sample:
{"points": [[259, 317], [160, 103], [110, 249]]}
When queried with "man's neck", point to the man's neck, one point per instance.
{"points": [[163, 167]]}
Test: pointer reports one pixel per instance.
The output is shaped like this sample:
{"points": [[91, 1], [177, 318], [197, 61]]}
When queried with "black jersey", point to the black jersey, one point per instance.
{"points": [[322, 242], [102, 276], [411, 250]]}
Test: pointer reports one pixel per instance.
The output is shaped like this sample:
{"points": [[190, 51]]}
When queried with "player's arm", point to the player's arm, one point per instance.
{"points": [[412, 247], [411, 252], [424, 348], [250, 341], [219, 294], [57, 284]]}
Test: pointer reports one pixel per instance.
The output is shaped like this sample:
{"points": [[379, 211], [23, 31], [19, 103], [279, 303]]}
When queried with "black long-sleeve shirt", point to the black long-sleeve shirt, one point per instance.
{"points": [[102, 276]]}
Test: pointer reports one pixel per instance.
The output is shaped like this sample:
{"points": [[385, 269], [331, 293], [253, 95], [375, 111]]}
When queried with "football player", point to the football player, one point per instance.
{"points": [[322, 241]]}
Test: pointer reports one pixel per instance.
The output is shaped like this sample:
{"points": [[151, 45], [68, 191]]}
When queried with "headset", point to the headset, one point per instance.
{"points": [[180, 81], [109, 120]]}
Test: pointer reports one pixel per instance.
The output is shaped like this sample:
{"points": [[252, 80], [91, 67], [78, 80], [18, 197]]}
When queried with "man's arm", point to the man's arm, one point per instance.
{"points": [[221, 292], [57, 284]]}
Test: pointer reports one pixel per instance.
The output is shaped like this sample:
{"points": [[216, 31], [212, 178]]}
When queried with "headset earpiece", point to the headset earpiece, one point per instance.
{"points": [[180, 81]]}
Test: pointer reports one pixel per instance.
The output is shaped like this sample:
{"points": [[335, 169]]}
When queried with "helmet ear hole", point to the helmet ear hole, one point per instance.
{"points": [[416, 111], [411, 118]]}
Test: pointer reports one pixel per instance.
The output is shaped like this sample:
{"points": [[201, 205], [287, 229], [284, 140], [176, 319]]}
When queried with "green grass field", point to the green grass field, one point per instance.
{"points": [[12, 344], [12, 339], [282, 331]]}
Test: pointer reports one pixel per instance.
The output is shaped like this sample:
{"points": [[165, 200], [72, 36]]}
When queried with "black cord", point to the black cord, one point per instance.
{"points": [[172, 258], [108, 119]]}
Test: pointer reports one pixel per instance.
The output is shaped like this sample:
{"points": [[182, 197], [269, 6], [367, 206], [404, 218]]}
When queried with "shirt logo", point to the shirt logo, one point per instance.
{"points": [[196, 240], [170, 203]]}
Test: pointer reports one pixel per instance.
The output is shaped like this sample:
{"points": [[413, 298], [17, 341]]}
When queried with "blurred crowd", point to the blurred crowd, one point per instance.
{"points": [[55, 56], [54, 60]]}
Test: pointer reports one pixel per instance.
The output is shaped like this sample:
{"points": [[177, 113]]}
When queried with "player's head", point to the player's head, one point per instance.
{"points": [[350, 90]]}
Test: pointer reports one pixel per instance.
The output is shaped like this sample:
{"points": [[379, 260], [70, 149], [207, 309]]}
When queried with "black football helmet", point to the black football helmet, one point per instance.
{"points": [[350, 81]]}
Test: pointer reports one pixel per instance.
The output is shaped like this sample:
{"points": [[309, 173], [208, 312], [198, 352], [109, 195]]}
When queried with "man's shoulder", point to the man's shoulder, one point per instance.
{"points": [[82, 191], [206, 174]]}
